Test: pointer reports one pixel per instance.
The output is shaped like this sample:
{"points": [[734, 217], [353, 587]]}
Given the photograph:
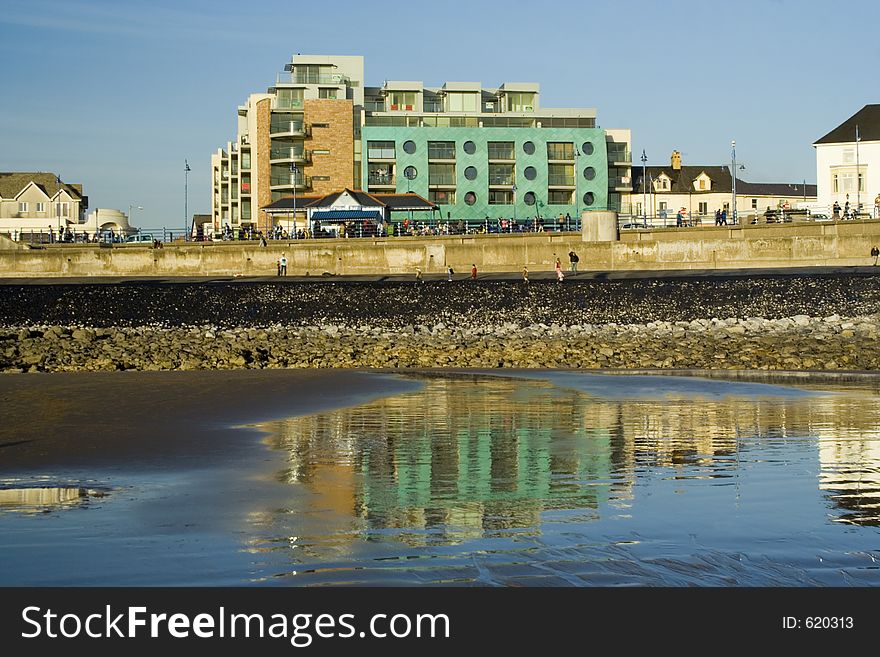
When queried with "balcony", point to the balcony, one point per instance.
{"points": [[441, 154], [620, 183], [379, 180], [619, 156], [292, 128], [560, 181], [502, 153], [501, 181], [308, 78], [560, 155], [441, 180], [289, 154], [290, 181]]}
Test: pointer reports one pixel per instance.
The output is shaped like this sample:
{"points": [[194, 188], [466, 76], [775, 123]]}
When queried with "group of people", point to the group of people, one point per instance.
{"points": [[573, 260], [721, 217]]}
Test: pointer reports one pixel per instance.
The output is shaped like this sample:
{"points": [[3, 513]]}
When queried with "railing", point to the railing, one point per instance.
{"points": [[288, 103], [290, 153], [294, 127], [565, 154], [441, 179], [300, 78], [501, 153], [501, 180], [290, 180], [374, 179], [438, 153], [619, 156], [620, 181], [560, 181], [380, 153]]}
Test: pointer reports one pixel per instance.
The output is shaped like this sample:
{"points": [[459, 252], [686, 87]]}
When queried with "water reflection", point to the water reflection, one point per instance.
{"points": [[40, 499], [481, 460]]}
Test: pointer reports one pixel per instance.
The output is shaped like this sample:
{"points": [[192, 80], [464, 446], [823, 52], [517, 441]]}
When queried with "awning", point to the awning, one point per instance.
{"points": [[335, 216]]}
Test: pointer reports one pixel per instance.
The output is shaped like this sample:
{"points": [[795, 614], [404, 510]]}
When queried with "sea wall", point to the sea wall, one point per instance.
{"points": [[773, 246], [782, 322]]}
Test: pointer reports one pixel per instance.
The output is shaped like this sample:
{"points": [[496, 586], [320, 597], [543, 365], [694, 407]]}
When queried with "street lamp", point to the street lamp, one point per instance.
{"points": [[577, 179], [409, 173], [644, 189], [186, 171], [733, 175], [858, 174], [513, 190]]}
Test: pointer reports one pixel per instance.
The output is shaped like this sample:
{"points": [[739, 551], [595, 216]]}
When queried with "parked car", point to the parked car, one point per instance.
{"points": [[140, 238]]}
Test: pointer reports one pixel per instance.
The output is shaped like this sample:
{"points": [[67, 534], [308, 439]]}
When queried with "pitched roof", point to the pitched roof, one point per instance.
{"points": [[410, 201], [868, 120], [683, 179], [286, 203], [11, 183], [775, 189]]}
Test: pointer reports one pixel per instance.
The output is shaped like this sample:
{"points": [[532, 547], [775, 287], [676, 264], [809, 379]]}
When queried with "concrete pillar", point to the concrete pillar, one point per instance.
{"points": [[599, 226]]}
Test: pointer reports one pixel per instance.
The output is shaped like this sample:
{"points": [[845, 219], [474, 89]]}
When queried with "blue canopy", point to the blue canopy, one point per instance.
{"points": [[346, 215]]}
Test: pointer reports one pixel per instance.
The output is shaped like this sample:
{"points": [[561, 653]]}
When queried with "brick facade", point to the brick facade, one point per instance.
{"points": [[263, 173], [337, 138]]}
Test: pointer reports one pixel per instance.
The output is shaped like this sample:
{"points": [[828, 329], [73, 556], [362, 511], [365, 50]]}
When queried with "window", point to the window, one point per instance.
{"points": [[589, 199], [461, 101], [380, 150], [559, 197], [501, 150], [663, 207], [402, 101], [834, 185], [41, 207], [246, 160], [702, 183], [289, 99], [589, 173], [529, 148], [409, 147], [410, 173], [327, 93], [520, 102], [529, 198], [703, 208], [587, 148], [500, 197], [470, 148], [442, 196], [560, 150], [470, 198], [560, 175], [382, 174], [470, 173], [754, 204], [441, 150], [501, 174], [441, 174], [530, 173], [22, 206]]}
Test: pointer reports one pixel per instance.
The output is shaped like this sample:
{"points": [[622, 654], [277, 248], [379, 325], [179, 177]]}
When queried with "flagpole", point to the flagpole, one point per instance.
{"points": [[186, 171], [858, 175]]}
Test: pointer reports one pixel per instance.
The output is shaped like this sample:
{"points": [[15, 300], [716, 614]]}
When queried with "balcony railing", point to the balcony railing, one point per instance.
{"points": [[290, 153], [441, 153], [621, 181], [304, 78], [441, 179], [501, 154], [619, 156], [565, 154], [380, 154], [560, 181], [288, 103], [501, 180], [290, 180], [378, 180], [292, 127]]}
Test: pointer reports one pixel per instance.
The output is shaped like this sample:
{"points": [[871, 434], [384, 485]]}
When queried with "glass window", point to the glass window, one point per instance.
{"points": [[560, 150], [380, 150], [529, 198], [246, 160], [289, 99], [589, 173], [441, 150], [441, 174], [560, 175], [470, 198], [402, 101], [501, 174], [470, 173], [589, 199], [501, 150], [41, 207], [500, 197], [530, 173], [327, 93], [520, 102], [409, 147], [442, 196], [559, 197], [410, 173], [470, 147], [22, 206], [587, 148], [457, 101], [529, 148]]}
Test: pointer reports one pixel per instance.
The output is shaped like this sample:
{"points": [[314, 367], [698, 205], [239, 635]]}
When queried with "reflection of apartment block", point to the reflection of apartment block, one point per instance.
{"points": [[474, 151]]}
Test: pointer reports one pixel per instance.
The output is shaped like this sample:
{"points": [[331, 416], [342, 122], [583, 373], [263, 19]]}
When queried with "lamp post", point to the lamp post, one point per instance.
{"points": [[733, 175], [186, 171], [644, 188], [577, 179], [858, 174], [513, 190], [409, 173]]}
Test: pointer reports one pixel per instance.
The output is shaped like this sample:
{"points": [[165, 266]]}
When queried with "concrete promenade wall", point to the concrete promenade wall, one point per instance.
{"points": [[731, 247]]}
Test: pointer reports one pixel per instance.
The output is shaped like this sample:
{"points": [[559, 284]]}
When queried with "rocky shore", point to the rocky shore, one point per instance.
{"points": [[791, 343], [803, 322]]}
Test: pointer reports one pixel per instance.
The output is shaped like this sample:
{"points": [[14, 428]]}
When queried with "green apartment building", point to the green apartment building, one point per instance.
{"points": [[475, 152]]}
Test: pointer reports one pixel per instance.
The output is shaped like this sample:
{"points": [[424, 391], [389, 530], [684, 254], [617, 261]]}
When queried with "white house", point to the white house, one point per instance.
{"points": [[848, 162]]}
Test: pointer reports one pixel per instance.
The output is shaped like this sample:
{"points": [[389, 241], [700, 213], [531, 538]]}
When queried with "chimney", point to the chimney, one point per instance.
{"points": [[676, 160]]}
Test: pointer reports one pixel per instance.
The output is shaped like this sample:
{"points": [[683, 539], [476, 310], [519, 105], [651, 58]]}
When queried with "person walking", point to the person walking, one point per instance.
{"points": [[282, 265], [473, 272], [559, 275], [449, 274], [573, 259], [875, 253], [525, 274]]}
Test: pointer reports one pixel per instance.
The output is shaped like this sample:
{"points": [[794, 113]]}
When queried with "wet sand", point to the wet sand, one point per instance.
{"points": [[158, 420]]}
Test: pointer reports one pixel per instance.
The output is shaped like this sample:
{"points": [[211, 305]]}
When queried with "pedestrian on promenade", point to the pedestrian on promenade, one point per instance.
{"points": [[836, 211], [875, 253], [419, 275], [473, 272], [525, 274], [559, 275], [449, 273], [573, 258], [282, 265]]}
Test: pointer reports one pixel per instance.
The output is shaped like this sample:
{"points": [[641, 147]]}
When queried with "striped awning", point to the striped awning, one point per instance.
{"points": [[333, 216]]}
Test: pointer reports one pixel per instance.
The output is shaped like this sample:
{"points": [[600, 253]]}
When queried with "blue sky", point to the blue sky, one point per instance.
{"points": [[116, 95]]}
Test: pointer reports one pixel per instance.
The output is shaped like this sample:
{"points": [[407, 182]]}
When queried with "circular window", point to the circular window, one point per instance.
{"points": [[589, 173], [589, 199], [587, 148], [530, 173], [470, 198], [470, 173], [410, 173], [529, 198], [409, 147], [529, 148], [470, 147]]}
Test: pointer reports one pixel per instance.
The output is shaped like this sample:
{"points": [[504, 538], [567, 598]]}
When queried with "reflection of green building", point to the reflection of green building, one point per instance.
{"points": [[490, 152]]}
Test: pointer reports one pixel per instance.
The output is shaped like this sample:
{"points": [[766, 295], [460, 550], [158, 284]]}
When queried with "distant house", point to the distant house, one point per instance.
{"points": [[39, 201], [847, 169], [700, 190]]}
